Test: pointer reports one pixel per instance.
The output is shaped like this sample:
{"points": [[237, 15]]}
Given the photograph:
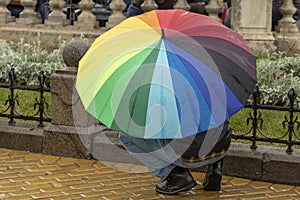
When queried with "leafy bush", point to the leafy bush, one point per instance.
{"points": [[277, 74], [28, 60]]}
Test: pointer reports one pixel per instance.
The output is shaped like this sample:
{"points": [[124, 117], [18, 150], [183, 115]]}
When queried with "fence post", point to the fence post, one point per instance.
{"points": [[61, 137], [255, 118], [291, 122], [11, 98], [41, 103]]}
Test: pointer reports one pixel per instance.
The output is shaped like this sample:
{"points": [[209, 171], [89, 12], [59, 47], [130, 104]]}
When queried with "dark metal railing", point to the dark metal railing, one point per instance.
{"points": [[255, 121], [11, 112]]}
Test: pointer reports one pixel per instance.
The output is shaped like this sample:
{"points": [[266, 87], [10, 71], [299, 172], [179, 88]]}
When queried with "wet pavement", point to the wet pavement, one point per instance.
{"points": [[25, 176]]}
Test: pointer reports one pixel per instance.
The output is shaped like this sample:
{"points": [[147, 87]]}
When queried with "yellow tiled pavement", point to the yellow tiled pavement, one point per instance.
{"points": [[27, 176]]}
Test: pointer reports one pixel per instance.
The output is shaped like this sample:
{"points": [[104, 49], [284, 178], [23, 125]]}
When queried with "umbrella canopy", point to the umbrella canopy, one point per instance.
{"points": [[166, 74]]}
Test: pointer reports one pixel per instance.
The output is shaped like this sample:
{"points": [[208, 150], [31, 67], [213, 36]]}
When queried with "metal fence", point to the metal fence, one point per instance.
{"points": [[12, 102], [290, 122], [255, 121]]}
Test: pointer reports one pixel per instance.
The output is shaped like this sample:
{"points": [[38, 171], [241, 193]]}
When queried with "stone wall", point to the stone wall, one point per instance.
{"points": [[251, 20]]}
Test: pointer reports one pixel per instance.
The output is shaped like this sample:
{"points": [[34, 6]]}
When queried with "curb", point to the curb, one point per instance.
{"points": [[266, 163]]}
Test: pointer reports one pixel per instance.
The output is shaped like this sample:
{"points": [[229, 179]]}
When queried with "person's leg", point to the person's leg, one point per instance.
{"points": [[213, 177], [178, 180], [158, 158], [150, 153]]}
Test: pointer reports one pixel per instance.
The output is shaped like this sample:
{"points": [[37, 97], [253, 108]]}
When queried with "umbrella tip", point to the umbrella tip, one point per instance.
{"points": [[162, 33]]}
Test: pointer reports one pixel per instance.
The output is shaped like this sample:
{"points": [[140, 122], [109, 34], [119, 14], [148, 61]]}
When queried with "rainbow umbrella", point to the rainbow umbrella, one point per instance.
{"points": [[166, 74]]}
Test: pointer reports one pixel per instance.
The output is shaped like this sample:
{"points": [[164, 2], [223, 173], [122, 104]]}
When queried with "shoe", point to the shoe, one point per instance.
{"points": [[213, 177], [179, 180]]}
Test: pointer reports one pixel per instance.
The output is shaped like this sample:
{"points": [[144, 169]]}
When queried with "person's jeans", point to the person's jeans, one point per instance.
{"points": [[152, 153], [158, 155]]}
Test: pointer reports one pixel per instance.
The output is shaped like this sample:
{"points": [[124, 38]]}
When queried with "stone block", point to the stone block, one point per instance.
{"points": [[21, 136], [242, 161], [63, 141], [280, 167]]}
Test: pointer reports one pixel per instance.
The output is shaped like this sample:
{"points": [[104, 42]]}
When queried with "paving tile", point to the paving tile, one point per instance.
{"points": [[237, 188], [24, 192], [45, 177], [258, 184], [297, 189], [99, 195], [9, 190], [48, 159], [240, 181], [13, 160], [54, 189], [46, 195], [17, 179], [82, 162], [282, 194], [26, 197], [259, 191], [73, 191], [42, 168], [82, 186], [231, 194], [66, 161], [66, 197], [53, 176], [281, 187], [255, 197], [4, 181], [35, 186], [33, 173], [33, 157]]}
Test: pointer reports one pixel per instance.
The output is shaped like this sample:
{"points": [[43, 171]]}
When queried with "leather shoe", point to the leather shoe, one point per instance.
{"points": [[213, 177], [179, 180]]}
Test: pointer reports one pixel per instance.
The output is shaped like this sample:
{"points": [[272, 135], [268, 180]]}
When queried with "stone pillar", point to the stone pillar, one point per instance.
{"points": [[213, 9], [288, 36], [73, 132], [57, 16], [28, 17], [3, 12], [86, 20], [149, 5], [182, 4], [254, 26], [68, 115], [117, 16]]}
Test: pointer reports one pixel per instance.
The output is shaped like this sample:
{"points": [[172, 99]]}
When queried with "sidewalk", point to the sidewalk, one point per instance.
{"points": [[26, 176]]}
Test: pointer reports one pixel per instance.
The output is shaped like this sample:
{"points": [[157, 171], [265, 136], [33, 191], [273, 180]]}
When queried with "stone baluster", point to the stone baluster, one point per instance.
{"points": [[86, 20], [213, 9], [182, 4], [149, 5], [28, 17], [56, 18], [256, 31], [288, 37], [3, 12], [117, 16]]}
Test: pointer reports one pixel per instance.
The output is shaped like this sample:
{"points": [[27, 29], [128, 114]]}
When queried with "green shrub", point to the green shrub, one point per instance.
{"points": [[28, 60], [276, 75]]}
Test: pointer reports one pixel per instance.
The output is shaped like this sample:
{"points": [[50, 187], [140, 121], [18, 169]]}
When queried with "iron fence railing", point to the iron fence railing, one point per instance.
{"points": [[290, 123], [12, 102]]}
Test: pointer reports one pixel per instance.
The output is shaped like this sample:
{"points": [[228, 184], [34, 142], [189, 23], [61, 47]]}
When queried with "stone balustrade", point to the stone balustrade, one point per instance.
{"points": [[18, 18]]}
